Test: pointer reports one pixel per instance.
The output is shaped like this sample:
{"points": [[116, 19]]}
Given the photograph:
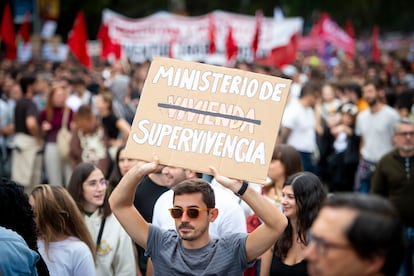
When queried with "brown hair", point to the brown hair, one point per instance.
{"points": [[56, 214], [107, 98], [196, 185], [80, 173], [49, 103], [289, 157], [83, 113]]}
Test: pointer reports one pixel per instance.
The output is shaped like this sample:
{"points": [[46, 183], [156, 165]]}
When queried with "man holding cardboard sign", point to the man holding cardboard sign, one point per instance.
{"points": [[194, 115], [191, 250]]}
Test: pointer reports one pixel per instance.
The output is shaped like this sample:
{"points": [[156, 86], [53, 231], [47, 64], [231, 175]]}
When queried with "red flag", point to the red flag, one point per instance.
{"points": [[78, 39], [171, 48], [108, 46], [282, 55], [7, 34], [231, 45], [349, 28], [375, 49], [256, 37], [25, 28], [211, 35]]}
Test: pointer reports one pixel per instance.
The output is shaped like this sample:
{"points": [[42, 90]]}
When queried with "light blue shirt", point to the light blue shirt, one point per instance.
{"points": [[16, 258]]}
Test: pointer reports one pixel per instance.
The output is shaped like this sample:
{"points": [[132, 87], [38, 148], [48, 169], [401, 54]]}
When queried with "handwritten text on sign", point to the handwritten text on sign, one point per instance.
{"points": [[194, 115]]}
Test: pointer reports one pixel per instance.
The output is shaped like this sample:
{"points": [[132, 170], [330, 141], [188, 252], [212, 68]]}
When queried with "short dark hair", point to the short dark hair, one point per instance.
{"points": [[376, 229], [27, 80], [310, 88], [354, 87], [196, 185], [375, 82]]}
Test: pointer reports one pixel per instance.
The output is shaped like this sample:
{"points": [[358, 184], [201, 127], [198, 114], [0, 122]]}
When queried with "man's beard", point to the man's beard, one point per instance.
{"points": [[196, 235], [372, 102]]}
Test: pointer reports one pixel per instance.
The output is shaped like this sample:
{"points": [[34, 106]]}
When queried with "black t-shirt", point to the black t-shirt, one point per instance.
{"points": [[109, 124], [280, 269], [24, 108], [146, 195]]}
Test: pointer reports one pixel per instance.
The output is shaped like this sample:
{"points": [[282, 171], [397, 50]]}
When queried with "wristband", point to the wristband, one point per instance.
{"points": [[243, 189]]}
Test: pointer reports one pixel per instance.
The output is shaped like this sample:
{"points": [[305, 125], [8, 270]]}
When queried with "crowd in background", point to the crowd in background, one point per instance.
{"points": [[330, 105]]}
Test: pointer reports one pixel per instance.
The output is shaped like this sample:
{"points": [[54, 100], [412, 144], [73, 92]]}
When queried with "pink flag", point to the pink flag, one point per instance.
{"points": [[329, 31]]}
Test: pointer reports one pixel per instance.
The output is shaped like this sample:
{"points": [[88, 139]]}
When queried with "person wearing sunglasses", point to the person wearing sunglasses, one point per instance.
{"points": [[355, 234], [190, 250], [394, 178], [230, 220]]}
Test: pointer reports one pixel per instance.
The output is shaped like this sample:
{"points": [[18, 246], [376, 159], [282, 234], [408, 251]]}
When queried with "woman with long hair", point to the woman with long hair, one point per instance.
{"points": [[55, 114], [114, 250], [303, 195], [64, 240]]}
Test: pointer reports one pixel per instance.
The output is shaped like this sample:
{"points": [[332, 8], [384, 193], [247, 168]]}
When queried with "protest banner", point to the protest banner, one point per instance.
{"points": [[194, 115], [189, 37]]}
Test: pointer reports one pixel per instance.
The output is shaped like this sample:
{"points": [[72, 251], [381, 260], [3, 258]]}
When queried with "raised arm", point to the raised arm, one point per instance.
{"points": [[122, 199], [274, 222]]}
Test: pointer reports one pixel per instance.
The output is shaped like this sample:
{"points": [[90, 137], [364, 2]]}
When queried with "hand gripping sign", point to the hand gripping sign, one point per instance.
{"points": [[194, 115]]}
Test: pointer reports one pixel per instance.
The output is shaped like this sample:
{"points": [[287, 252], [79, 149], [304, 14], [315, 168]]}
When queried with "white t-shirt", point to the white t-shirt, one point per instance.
{"points": [[301, 121], [376, 130], [230, 219], [70, 257]]}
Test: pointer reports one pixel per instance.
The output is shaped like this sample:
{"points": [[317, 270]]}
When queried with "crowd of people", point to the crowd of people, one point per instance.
{"points": [[337, 201]]}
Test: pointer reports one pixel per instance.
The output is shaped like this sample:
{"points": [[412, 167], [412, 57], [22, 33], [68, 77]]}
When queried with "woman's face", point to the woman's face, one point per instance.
{"points": [[289, 202], [59, 97], [276, 170], [100, 104], [125, 163], [94, 190]]}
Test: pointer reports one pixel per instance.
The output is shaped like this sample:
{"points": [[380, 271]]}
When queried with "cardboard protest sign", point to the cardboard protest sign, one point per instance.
{"points": [[194, 115]]}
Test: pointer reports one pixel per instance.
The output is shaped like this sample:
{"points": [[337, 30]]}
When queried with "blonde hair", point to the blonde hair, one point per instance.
{"points": [[57, 214]]}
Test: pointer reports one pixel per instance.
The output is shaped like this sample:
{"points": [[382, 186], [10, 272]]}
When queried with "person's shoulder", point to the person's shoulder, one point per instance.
{"points": [[113, 223], [391, 157], [391, 111], [165, 196], [364, 113], [19, 256], [74, 244], [231, 239], [10, 235], [165, 236]]}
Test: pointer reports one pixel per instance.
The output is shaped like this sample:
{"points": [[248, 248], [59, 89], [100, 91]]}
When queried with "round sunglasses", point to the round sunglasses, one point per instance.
{"points": [[192, 212]]}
